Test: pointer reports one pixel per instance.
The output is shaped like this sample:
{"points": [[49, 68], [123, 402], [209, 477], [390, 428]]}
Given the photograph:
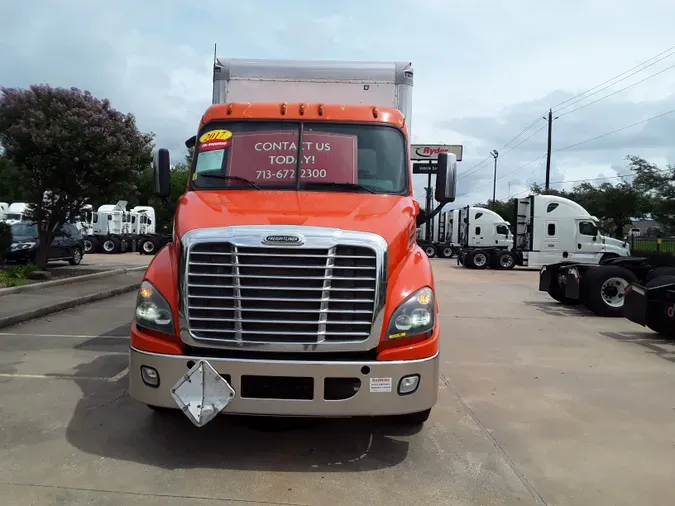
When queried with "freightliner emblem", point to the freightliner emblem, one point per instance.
{"points": [[287, 240]]}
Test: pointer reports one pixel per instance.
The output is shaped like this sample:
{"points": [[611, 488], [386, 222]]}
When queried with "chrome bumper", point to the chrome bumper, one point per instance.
{"points": [[376, 398]]}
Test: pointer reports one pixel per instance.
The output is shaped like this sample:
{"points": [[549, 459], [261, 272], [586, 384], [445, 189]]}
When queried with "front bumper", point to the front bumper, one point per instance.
{"points": [[370, 399]]}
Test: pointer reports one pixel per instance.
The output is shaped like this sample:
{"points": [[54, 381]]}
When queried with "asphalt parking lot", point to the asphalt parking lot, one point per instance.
{"points": [[539, 404]]}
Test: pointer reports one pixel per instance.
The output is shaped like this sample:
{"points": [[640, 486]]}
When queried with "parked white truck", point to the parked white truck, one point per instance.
{"points": [[14, 213], [551, 229], [114, 229], [483, 237]]}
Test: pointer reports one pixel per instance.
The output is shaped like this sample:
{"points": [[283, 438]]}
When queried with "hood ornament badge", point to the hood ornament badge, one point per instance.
{"points": [[284, 240]]}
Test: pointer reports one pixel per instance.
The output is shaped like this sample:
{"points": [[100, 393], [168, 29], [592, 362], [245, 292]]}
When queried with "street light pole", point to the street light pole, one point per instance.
{"points": [[495, 155]]}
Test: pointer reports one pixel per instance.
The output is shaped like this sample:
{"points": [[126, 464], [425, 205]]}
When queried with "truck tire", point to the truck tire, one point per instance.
{"points": [[445, 252], [657, 317], [658, 272], [147, 246], [90, 245], [430, 251], [505, 261], [111, 245], [605, 286], [477, 260]]}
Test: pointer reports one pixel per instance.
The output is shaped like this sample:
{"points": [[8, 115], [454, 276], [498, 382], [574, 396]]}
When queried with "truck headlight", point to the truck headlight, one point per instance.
{"points": [[414, 316], [152, 310], [20, 246]]}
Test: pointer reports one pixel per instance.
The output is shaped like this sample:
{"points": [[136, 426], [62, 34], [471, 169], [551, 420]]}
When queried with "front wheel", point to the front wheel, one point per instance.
{"points": [[148, 247], [77, 257], [506, 260], [479, 260]]}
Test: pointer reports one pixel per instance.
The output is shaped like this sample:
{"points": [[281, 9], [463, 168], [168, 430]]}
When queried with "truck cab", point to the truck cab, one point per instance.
{"points": [[293, 284]]}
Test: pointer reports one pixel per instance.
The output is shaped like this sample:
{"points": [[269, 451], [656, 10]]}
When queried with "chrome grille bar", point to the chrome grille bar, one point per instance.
{"points": [[253, 294]]}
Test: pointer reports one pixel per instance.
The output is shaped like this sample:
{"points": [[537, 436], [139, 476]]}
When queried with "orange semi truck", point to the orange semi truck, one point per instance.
{"points": [[293, 285]]}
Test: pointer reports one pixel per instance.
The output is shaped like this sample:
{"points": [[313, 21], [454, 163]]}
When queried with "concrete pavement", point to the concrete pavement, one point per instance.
{"points": [[25, 305], [538, 405]]}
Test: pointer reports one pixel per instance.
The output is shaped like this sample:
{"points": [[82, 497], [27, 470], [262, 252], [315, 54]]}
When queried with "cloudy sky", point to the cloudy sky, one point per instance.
{"points": [[485, 69]]}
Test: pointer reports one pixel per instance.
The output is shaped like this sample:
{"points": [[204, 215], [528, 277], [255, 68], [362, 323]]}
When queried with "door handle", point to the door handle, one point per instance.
{"points": [[578, 246]]}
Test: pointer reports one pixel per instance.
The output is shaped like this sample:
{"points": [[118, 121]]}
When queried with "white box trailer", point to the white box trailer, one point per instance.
{"points": [[384, 84]]}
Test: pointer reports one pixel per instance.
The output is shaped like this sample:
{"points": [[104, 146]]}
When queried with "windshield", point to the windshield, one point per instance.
{"points": [[13, 216], [24, 230], [265, 154]]}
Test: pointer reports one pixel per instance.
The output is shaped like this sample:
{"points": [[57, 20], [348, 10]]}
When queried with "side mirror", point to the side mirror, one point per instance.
{"points": [[191, 142], [162, 171], [446, 178]]}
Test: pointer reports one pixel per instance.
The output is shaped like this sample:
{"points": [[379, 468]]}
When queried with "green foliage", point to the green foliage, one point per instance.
{"points": [[5, 240], [69, 149], [15, 275], [13, 187]]}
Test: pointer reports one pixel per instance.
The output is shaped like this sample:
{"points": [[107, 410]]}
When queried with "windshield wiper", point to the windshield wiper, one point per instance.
{"points": [[345, 186], [233, 178]]}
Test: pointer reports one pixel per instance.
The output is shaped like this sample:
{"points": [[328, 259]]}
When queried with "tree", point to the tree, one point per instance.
{"points": [[657, 188], [71, 149], [13, 188]]}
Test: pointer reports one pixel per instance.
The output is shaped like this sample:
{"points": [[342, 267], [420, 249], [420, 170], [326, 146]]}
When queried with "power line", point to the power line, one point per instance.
{"points": [[504, 175], [619, 75], [617, 91], [465, 174], [614, 131], [481, 164]]}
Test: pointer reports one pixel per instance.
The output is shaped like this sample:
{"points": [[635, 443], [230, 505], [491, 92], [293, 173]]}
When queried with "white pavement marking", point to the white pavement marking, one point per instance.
{"points": [[75, 336], [119, 375], [113, 379]]}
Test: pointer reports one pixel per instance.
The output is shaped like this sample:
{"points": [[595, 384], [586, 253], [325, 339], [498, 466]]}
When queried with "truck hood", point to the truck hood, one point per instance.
{"points": [[616, 243], [390, 216]]}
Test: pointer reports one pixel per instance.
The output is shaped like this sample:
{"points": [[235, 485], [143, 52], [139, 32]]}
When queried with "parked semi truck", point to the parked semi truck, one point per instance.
{"points": [[484, 239], [114, 229], [293, 285], [444, 241], [548, 230]]}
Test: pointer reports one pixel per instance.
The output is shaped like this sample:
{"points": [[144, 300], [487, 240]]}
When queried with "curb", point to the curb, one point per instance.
{"points": [[9, 321], [67, 281]]}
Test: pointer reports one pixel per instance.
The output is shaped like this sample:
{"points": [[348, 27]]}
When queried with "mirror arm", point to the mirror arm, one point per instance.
{"points": [[429, 217]]}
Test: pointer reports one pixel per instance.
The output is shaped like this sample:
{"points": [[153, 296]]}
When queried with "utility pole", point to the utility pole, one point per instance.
{"points": [[495, 155], [548, 148]]}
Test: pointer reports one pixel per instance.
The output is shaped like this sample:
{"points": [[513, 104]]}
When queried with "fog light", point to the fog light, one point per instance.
{"points": [[408, 384], [150, 376]]}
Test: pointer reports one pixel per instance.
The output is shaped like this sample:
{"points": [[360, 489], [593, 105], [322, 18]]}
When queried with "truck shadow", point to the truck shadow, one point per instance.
{"points": [[655, 344], [107, 422], [554, 308]]}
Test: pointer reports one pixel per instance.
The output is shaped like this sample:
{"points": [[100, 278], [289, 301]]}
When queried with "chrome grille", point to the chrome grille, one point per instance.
{"points": [[281, 294]]}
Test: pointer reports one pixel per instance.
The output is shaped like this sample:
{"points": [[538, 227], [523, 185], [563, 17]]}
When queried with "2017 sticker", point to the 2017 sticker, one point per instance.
{"points": [[380, 384], [215, 139]]}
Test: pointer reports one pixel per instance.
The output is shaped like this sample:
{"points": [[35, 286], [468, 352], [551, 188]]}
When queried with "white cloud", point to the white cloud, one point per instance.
{"points": [[484, 69]]}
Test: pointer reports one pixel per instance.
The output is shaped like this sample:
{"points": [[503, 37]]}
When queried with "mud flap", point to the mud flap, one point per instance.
{"points": [[545, 276], [572, 281], [635, 304], [202, 393]]}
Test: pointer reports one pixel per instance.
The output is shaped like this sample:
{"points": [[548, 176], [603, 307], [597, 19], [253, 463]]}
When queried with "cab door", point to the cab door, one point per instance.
{"points": [[589, 246]]}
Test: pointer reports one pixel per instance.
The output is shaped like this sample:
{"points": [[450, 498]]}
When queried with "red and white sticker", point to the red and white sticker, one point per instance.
{"points": [[215, 139], [380, 385]]}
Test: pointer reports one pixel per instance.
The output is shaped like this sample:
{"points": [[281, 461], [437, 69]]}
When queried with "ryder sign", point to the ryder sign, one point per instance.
{"points": [[271, 157], [431, 151]]}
